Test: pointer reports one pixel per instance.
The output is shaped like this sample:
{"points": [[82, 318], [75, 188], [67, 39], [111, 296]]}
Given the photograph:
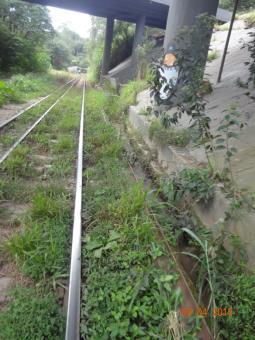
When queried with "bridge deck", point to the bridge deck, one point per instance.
{"points": [[126, 10]]}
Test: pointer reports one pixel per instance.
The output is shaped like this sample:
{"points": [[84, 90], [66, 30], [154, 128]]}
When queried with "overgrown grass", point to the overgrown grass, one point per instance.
{"points": [[213, 55], [19, 163], [125, 294], [21, 88], [168, 136], [31, 315], [248, 18], [41, 246], [222, 280], [129, 92]]}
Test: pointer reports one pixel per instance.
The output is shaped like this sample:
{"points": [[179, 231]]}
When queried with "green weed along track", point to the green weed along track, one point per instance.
{"points": [[125, 295], [12, 131], [41, 245]]}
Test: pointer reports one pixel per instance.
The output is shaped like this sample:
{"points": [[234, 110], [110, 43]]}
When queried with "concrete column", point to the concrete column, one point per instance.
{"points": [[139, 32], [183, 13], [107, 45]]}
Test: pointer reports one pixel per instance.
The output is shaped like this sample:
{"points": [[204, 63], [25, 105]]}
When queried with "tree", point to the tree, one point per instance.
{"points": [[24, 30], [60, 54], [122, 42]]}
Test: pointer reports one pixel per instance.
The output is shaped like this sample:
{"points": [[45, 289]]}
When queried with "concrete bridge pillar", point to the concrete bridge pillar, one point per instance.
{"points": [[183, 13], [139, 32], [107, 45]]}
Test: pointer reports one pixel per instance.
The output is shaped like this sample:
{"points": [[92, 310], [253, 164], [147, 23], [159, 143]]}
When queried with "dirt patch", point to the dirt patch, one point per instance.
{"points": [[10, 219], [10, 110]]}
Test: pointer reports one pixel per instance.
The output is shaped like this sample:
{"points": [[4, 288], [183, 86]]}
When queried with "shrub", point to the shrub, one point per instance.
{"points": [[24, 83], [191, 185], [7, 94]]}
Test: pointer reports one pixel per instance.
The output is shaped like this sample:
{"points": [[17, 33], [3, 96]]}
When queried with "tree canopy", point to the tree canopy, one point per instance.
{"points": [[243, 4], [29, 43]]}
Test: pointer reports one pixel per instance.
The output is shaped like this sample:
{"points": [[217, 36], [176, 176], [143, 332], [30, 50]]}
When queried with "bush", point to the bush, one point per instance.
{"points": [[243, 4], [7, 94], [168, 136], [191, 185], [23, 83], [42, 61]]}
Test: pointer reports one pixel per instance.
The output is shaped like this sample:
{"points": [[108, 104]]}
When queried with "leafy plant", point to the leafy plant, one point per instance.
{"points": [[207, 273], [238, 294], [7, 94], [133, 296], [228, 128], [30, 313], [191, 185]]}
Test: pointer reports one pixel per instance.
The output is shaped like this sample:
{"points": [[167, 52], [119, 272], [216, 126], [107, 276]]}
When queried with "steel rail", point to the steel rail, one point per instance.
{"points": [[8, 121], [27, 132], [73, 308]]}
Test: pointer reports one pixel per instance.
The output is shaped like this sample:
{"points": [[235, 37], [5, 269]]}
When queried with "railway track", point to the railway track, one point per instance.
{"points": [[6, 131], [73, 309], [26, 109]]}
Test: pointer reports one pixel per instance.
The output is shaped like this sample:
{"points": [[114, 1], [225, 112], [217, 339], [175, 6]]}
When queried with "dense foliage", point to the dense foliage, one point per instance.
{"points": [[29, 314], [28, 42], [125, 294], [24, 29], [121, 46], [243, 4]]}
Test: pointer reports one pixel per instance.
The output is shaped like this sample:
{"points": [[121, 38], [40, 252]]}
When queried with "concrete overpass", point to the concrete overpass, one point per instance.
{"points": [[170, 15]]}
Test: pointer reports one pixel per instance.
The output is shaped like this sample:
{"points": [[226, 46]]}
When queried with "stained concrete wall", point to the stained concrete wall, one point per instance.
{"points": [[183, 13]]}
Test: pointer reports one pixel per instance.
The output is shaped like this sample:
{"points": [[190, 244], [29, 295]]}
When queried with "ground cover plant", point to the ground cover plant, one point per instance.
{"points": [[40, 245], [168, 136], [21, 88], [10, 133], [215, 269], [212, 55], [219, 275], [129, 92], [31, 315], [125, 294]]}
